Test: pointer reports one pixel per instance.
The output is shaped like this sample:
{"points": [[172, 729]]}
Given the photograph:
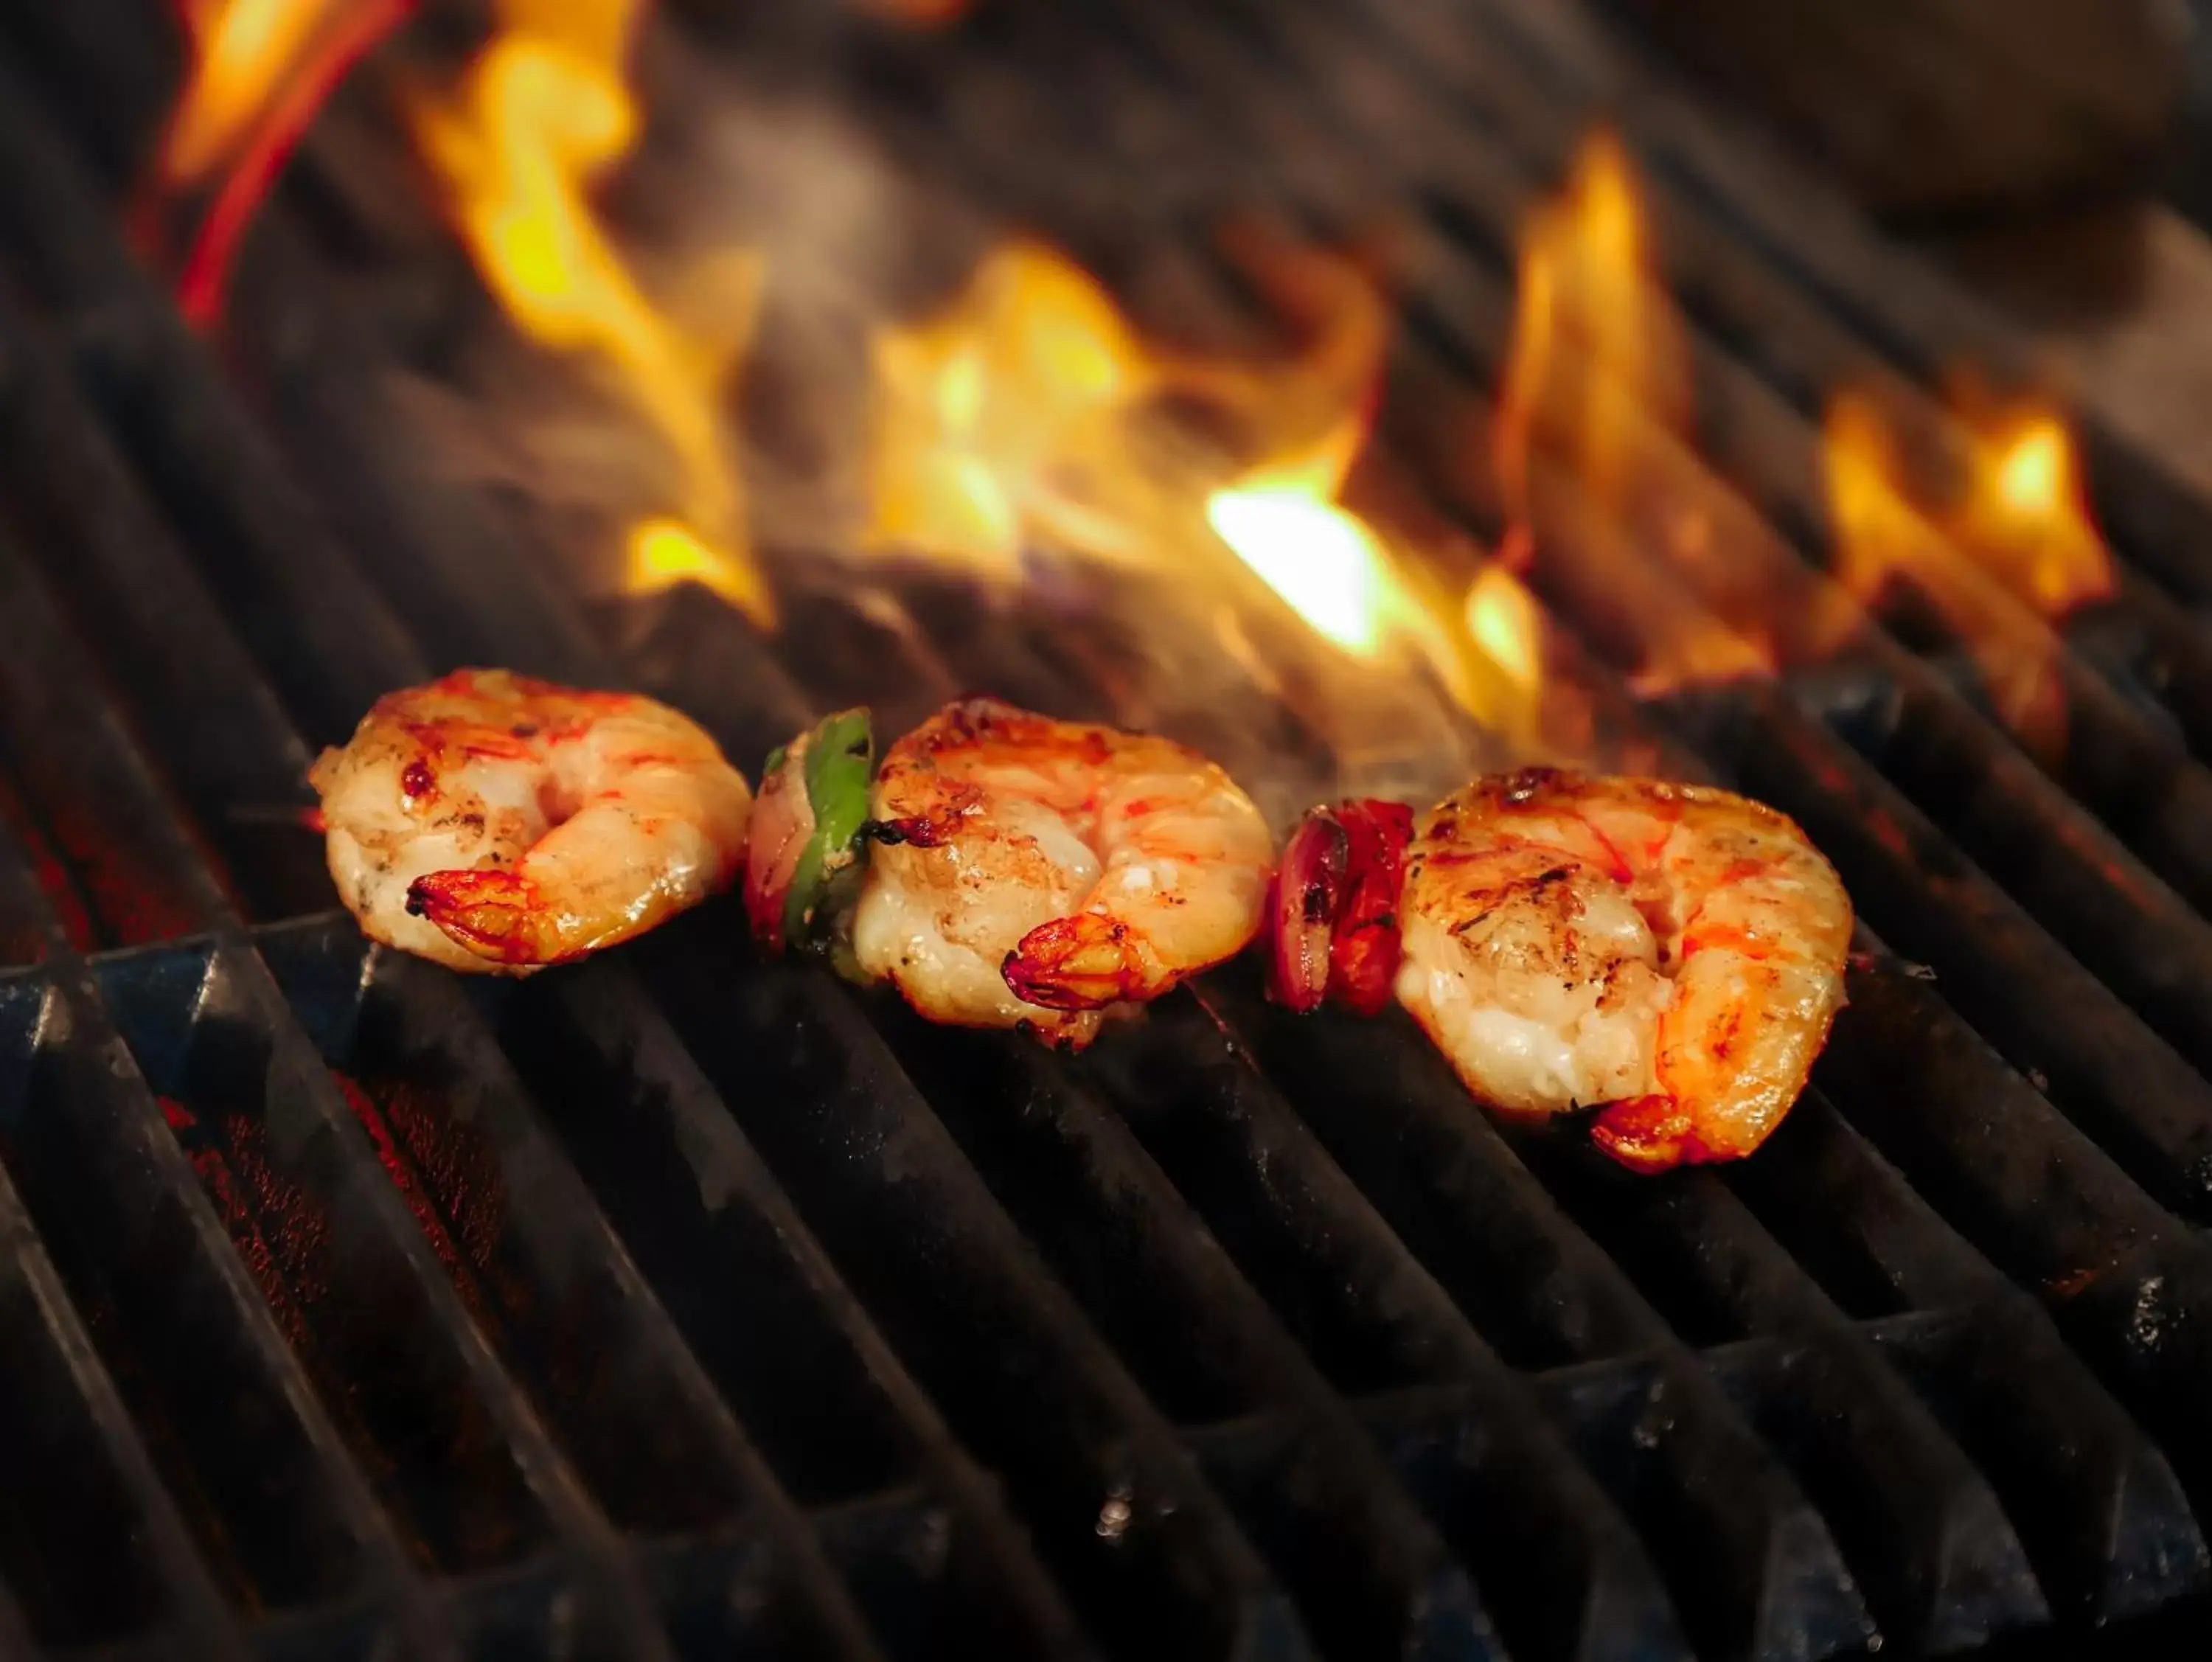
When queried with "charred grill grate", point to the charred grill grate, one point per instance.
{"points": [[678, 1304]]}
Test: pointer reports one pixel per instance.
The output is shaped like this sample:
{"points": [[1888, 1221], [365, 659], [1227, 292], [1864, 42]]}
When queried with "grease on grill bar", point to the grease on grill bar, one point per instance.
{"points": [[681, 1304]]}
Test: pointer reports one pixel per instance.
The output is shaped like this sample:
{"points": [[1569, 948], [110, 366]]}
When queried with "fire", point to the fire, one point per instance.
{"points": [[2010, 552], [243, 51], [663, 553], [1597, 378], [1283, 521], [2027, 513], [1008, 419], [544, 112], [260, 70], [1597, 350], [1502, 622], [1347, 582]]}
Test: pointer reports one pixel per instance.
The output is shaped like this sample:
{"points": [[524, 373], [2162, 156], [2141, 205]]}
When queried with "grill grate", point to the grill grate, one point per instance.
{"points": [[680, 1305]]}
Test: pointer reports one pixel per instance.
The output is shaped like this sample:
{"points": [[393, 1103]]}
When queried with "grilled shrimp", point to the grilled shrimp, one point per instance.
{"points": [[1673, 951], [494, 823], [1026, 872]]}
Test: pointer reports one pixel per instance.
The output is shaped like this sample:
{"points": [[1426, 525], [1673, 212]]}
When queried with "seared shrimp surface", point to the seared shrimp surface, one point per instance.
{"points": [[1674, 950], [496, 822], [1034, 873]]}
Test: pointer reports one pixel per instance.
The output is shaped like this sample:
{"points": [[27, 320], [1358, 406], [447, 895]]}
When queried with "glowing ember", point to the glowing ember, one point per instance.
{"points": [[544, 112]]}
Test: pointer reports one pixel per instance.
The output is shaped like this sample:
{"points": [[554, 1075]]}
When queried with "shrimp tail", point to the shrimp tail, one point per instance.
{"points": [[1081, 962], [1652, 1134], [494, 914], [1332, 921]]}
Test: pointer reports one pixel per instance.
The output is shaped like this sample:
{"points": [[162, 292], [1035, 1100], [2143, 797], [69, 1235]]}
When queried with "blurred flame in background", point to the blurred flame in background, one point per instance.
{"points": [[1597, 375], [2008, 552], [1008, 418], [1597, 347], [543, 112], [242, 52], [260, 70]]}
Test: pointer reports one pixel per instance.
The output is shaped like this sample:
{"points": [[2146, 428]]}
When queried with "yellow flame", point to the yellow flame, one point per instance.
{"points": [[663, 553], [1347, 583], [1597, 347], [544, 112], [243, 52], [2014, 551], [1502, 622], [1006, 417], [2026, 514]]}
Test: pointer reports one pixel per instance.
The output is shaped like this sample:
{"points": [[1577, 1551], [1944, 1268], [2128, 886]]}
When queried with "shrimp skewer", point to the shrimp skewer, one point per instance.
{"points": [[1673, 951], [498, 823], [1023, 872]]}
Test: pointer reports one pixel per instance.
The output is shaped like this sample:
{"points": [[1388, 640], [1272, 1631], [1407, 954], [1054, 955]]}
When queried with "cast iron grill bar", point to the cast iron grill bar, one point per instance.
{"points": [[506, 1486], [73, 505], [186, 1332], [673, 1164], [88, 1490], [533, 1259], [1144, 1265]]}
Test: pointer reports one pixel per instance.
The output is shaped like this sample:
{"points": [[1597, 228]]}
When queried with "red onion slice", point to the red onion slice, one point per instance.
{"points": [[1303, 902]]}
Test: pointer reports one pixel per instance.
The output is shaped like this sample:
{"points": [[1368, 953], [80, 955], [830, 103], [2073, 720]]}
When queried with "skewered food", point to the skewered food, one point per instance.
{"points": [[1673, 951], [1003, 869], [499, 824]]}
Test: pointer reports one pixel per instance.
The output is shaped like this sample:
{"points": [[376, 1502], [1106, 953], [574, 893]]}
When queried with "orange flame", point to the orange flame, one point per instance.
{"points": [[1597, 348], [243, 52], [2014, 550], [1009, 419], [2026, 514], [545, 114], [261, 68], [1597, 376]]}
